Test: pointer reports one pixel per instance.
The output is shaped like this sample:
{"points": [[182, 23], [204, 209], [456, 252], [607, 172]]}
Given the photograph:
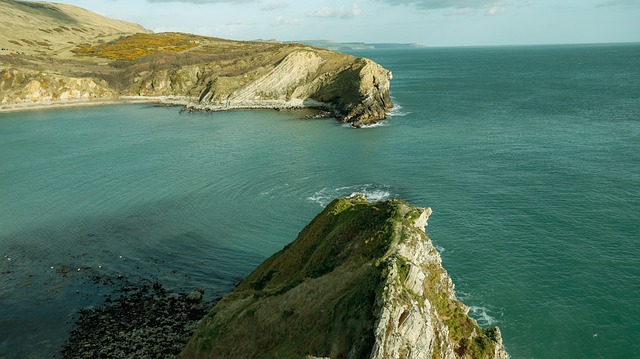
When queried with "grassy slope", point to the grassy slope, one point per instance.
{"points": [[63, 40], [52, 29], [69, 41], [315, 297]]}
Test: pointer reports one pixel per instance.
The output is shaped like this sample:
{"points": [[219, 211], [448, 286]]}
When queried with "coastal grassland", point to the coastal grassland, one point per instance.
{"points": [[52, 29], [172, 64]]}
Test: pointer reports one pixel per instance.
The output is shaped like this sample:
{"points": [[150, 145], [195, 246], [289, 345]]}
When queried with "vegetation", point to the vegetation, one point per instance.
{"points": [[140, 45], [463, 330], [322, 284]]}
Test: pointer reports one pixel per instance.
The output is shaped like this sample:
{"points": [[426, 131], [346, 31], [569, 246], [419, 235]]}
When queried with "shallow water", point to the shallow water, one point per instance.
{"points": [[527, 155]]}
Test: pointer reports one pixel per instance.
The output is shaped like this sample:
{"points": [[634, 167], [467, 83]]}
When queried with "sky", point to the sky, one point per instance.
{"points": [[427, 22]]}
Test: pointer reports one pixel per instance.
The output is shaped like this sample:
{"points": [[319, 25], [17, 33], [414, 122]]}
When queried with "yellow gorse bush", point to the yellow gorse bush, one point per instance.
{"points": [[140, 45]]}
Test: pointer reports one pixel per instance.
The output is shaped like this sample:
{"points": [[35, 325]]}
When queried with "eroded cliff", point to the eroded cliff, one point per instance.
{"points": [[56, 57], [362, 280]]}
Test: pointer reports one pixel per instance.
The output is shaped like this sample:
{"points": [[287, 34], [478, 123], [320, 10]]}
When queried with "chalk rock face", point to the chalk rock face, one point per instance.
{"points": [[359, 92], [20, 86], [362, 280], [355, 90]]}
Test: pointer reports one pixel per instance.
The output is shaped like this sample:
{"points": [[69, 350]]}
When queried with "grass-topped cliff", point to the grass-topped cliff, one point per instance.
{"points": [[64, 53], [362, 280]]}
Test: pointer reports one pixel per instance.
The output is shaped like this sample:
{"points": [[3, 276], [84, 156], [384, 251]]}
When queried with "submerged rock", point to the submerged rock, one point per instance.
{"points": [[362, 280], [145, 321]]}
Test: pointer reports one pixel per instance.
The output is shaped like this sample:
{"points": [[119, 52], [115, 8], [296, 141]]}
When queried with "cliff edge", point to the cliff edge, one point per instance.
{"points": [[361, 280], [64, 53]]}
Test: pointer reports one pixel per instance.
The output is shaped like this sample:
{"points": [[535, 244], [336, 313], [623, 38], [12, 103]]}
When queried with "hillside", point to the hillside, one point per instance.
{"points": [[57, 54], [52, 29], [362, 280]]}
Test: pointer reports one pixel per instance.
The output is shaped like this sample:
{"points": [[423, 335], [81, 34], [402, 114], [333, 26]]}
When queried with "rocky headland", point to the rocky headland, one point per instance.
{"points": [[362, 280], [67, 55]]}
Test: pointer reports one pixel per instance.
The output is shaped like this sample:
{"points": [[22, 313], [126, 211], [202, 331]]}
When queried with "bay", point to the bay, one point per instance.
{"points": [[527, 155]]}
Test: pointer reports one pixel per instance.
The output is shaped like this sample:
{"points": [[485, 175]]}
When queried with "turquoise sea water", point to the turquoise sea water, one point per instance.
{"points": [[529, 157]]}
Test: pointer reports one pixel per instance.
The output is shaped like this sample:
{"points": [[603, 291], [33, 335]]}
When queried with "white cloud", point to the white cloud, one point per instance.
{"points": [[448, 4], [283, 20], [620, 3], [495, 10], [274, 5], [339, 12], [459, 11]]}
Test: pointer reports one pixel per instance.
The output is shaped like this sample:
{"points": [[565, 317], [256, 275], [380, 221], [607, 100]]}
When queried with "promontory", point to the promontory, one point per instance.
{"points": [[362, 280], [57, 54]]}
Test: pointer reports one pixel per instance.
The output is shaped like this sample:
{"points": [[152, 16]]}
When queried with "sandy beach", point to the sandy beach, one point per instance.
{"points": [[46, 105]]}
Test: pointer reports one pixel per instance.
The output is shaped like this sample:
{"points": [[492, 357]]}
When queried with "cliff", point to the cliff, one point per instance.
{"points": [[66, 53], [361, 280]]}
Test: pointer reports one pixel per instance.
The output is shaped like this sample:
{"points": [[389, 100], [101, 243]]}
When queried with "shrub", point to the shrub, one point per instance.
{"points": [[139, 45]]}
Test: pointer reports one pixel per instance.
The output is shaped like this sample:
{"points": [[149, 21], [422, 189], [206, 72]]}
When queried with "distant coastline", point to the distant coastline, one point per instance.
{"points": [[351, 46]]}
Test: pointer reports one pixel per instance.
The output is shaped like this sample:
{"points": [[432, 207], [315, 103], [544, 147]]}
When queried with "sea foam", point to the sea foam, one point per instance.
{"points": [[372, 192], [396, 111], [482, 316]]}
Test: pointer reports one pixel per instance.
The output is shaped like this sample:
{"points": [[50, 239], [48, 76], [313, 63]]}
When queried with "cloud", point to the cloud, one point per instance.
{"points": [[459, 11], [275, 5], [339, 12], [619, 3], [283, 20], [495, 10], [207, 1], [459, 7], [448, 4]]}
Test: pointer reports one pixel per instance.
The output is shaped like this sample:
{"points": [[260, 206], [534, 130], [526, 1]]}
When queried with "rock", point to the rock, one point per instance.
{"points": [[195, 296], [144, 322]]}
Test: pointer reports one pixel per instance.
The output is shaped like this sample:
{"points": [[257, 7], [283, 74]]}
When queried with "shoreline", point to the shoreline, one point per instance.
{"points": [[188, 104], [57, 104], [142, 320]]}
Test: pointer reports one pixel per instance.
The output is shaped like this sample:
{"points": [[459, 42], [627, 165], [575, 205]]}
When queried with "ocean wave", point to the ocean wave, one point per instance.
{"points": [[372, 125], [377, 124], [396, 111], [482, 316], [372, 192]]}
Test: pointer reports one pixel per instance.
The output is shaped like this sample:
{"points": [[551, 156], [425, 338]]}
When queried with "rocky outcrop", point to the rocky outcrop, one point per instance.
{"points": [[362, 280], [354, 90], [138, 320], [19, 87], [357, 92]]}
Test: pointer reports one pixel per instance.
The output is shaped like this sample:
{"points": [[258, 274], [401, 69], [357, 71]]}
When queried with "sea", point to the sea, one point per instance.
{"points": [[529, 157]]}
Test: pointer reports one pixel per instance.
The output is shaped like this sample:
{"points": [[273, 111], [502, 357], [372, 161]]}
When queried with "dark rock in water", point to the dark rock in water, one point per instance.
{"points": [[195, 296], [145, 321]]}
